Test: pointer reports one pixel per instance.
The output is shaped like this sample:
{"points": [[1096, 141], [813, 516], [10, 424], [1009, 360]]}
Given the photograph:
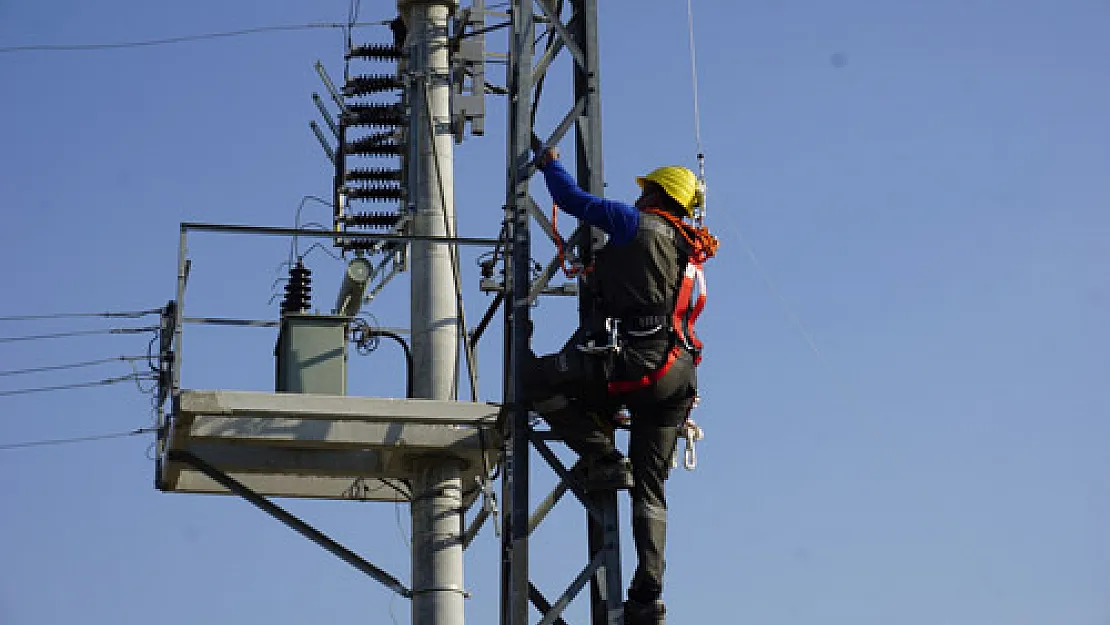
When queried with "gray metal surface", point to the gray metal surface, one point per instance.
{"points": [[514, 535], [297, 486], [578, 37], [437, 543], [326, 446], [328, 234], [308, 406], [437, 564], [311, 354]]}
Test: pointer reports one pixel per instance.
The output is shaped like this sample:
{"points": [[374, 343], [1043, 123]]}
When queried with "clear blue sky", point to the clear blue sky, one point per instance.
{"points": [[926, 184]]}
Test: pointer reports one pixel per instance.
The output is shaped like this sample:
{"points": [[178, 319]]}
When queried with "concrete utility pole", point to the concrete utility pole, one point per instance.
{"points": [[437, 552]]}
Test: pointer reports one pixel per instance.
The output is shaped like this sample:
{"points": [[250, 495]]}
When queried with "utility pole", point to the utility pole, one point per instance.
{"points": [[437, 551], [309, 439]]}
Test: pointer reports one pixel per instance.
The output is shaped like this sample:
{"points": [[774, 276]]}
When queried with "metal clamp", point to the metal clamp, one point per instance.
{"points": [[692, 433], [612, 346], [489, 503]]}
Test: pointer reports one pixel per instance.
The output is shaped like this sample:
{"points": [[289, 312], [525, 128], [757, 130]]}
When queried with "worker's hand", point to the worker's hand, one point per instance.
{"points": [[548, 155]]}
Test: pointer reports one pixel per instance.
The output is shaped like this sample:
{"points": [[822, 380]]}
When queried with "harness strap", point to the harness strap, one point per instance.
{"points": [[689, 303], [617, 387]]}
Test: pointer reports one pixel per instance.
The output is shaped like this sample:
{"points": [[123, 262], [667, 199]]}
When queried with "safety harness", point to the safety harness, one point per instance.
{"points": [[689, 302]]}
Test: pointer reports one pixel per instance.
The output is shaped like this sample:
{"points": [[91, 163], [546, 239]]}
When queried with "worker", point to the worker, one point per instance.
{"points": [[638, 352]]}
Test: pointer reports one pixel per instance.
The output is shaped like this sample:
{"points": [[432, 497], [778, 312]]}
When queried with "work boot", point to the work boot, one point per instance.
{"points": [[613, 472], [651, 613]]}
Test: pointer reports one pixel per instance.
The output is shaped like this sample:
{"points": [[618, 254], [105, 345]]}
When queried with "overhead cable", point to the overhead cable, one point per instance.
{"points": [[51, 442], [61, 335], [181, 39], [75, 365], [132, 314], [131, 377]]}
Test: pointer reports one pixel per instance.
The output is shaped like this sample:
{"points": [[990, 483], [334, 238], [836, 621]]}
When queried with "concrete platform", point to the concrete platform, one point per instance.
{"points": [[324, 446]]}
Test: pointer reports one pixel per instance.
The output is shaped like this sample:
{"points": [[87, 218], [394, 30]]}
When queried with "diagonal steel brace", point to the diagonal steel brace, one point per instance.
{"points": [[294, 523]]}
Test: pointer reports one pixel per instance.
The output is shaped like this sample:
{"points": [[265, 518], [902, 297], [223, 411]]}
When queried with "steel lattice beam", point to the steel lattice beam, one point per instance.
{"points": [[577, 37]]}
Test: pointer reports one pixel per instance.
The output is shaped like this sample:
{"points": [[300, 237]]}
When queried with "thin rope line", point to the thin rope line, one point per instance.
{"points": [[784, 306], [694, 76]]}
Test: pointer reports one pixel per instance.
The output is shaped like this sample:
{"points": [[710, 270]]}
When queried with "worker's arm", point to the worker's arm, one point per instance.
{"points": [[617, 219]]}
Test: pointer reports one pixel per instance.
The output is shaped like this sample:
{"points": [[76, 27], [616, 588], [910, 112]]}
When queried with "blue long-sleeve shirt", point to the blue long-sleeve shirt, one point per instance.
{"points": [[617, 219]]}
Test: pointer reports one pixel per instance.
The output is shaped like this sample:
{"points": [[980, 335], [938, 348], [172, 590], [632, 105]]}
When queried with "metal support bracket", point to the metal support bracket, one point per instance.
{"points": [[293, 522]]}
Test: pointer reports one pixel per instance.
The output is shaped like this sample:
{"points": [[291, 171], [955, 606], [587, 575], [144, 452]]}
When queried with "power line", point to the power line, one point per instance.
{"points": [[60, 335], [131, 377], [181, 39], [131, 314], [75, 365], [51, 442]]}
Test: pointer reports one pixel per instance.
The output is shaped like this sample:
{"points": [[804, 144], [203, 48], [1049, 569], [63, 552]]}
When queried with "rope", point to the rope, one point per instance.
{"points": [[570, 269], [703, 245], [700, 212], [694, 78]]}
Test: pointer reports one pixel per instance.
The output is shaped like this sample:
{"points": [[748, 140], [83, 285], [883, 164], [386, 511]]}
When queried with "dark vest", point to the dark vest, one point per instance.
{"points": [[641, 277]]}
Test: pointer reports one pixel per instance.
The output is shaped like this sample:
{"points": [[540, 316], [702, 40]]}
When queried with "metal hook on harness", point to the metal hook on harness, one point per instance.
{"points": [[693, 433]]}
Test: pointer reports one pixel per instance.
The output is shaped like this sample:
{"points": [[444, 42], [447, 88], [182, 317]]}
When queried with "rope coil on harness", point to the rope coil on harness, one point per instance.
{"points": [[703, 244]]}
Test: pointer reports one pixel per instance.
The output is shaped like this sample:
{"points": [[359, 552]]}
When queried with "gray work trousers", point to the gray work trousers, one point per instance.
{"points": [[569, 390]]}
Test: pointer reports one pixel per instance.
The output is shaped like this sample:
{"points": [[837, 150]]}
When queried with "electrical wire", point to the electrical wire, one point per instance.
{"points": [[62, 387], [293, 248], [352, 16], [75, 365], [181, 39], [400, 528], [51, 442], [322, 248], [60, 335], [139, 377], [150, 353], [134, 314]]}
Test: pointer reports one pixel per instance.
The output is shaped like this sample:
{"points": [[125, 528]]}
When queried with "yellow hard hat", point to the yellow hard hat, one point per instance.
{"points": [[679, 183]]}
